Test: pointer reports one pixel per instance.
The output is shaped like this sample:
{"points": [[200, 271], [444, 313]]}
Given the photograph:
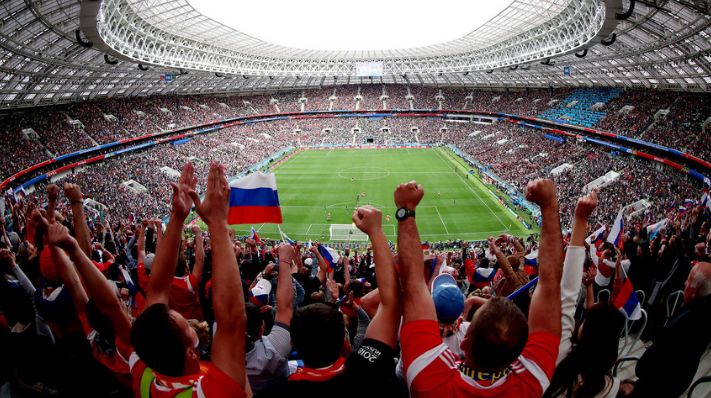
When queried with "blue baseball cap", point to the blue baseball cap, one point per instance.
{"points": [[448, 299]]}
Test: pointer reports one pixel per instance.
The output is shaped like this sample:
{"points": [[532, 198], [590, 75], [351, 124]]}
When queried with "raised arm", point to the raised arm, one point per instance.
{"points": [[105, 254], [166, 258], [502, 260], [385, 324], [322, 264], [285, 287], [199, 253], [81, 228], [141, 239], [573, 271], [545, 310], [417, 302], [70, 278], [52, 193], [227, 297], [96, 284]]}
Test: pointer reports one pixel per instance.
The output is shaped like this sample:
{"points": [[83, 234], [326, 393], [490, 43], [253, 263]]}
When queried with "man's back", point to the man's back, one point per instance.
{"points": [[669, 365]]}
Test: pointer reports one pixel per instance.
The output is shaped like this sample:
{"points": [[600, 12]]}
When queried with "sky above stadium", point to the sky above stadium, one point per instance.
{"points": [[352, 25]]}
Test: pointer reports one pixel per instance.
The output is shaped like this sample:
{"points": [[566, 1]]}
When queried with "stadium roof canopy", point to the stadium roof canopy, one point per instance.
{"points": [[55, 51]]}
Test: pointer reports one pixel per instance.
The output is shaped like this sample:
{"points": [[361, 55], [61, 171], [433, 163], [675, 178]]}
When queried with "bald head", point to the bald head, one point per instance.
{"points": [[698, 284]]}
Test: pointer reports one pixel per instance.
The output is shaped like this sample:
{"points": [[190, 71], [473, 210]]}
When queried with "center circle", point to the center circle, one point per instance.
{"points": [[364, 173]]}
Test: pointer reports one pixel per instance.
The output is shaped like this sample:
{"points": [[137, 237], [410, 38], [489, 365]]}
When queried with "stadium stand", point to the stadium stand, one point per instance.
{"points": [[134, 133]]}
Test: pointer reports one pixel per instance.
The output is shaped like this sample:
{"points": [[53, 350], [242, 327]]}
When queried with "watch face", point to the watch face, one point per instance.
{"points": [[400, 213]]}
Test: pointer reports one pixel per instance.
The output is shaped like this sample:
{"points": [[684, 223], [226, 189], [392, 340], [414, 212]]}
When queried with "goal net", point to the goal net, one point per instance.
{"points": [[347, 233]]}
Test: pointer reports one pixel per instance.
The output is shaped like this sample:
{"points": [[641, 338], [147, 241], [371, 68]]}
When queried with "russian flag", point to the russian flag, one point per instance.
{"points": [[483, 275], [330, 255], [597, 237], [705, 199], [618, 228], [689, 202], [654, 229], [626, 301], [254, 199], [285, 238], [530, 263], [253, 235]]}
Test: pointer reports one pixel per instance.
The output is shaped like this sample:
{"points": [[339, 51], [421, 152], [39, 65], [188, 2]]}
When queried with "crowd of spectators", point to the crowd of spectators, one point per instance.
{"points": [[97, 304]]}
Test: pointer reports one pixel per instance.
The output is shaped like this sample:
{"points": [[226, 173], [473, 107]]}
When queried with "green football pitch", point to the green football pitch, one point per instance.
{"points": [[320, 188]]}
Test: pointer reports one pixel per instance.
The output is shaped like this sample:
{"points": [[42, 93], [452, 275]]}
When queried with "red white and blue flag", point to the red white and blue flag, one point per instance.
{"points": [[654, 229], [625, 299], [597, 237], [330, 255], [705, 199], [530, 263], [483, 275], [253, 235], [254, 199], [618, 228]]}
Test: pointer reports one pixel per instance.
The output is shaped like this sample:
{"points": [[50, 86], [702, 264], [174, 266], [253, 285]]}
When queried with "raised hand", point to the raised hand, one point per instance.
{"points": [[408, 195], [542, 193], [182, 201], [213, 210], [286, 253], [195, 230], [586, 205], [59, 236], [52, 192], [72, 192], [368, 219]]}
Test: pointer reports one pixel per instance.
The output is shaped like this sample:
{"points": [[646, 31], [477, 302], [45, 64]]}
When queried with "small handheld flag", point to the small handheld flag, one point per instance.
{"points": [[618, 229], [254, 199], [597, 237], [284, 238], [330, 255], [253, 235], [626, 301], [530, 263], [654, 229]]}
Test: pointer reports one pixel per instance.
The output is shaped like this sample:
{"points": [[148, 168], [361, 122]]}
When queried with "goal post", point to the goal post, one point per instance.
{"points": [[346, 233]]}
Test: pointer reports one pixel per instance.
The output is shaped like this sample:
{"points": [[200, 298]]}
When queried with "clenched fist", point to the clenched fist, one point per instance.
{"points": [[408, 195], [52, 192], [368, 219], [58, 235], [72, 192], [542, 193]]}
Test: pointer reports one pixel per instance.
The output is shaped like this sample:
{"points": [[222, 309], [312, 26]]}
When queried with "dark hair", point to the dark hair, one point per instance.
{"points": [[593, 356], [356, 287], [317, 333], [254, 322], [498, 334], [159, 341]]}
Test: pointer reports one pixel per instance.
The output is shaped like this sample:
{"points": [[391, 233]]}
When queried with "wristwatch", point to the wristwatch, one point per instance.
{"points": [[403, 213]]}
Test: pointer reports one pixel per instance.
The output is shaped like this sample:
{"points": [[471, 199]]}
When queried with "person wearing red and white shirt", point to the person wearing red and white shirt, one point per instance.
{"points": [[505, 356]]}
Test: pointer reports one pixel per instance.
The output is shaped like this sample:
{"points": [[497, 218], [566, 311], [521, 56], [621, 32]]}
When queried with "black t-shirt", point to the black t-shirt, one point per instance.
{"points": [[370, 372]]}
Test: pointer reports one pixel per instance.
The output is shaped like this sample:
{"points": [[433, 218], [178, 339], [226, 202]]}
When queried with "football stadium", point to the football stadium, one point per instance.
{"points": [[211, 198]]}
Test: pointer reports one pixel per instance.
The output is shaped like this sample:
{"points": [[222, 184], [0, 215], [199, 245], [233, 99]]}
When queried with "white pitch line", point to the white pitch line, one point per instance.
{"points": [[476, 193], [308, 229], [440, 218]]}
